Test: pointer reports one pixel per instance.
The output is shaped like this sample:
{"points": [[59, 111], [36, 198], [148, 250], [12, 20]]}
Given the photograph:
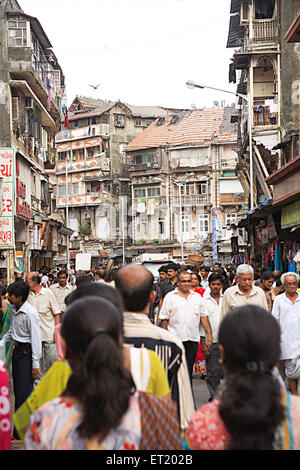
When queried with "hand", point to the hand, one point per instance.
{"points": [[204, 348], [36, 374], [209, 342]]}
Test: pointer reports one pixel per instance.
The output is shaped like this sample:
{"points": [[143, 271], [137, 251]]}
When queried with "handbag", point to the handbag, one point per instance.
{"points": [[292, 368]]}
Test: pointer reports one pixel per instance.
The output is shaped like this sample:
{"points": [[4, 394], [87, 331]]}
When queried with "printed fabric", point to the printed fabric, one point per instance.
{"points": [[150, 423], [207, 431], [5, 421], [54, 427]]}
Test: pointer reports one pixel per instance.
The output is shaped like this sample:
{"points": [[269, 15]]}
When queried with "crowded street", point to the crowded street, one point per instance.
{"points": [[149, 228]]}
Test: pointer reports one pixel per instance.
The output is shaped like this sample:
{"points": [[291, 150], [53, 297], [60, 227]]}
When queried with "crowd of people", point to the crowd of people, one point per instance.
{"points": [[106, 362]]}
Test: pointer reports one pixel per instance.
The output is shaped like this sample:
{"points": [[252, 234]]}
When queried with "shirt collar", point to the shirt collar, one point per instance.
{"points": [[238, 291]]}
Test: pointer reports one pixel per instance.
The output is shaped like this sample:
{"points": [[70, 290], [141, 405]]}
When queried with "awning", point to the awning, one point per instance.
{"points": [[236, 32]]}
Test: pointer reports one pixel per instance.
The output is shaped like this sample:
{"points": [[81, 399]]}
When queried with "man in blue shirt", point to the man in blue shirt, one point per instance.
{"points": [[25, 333]]}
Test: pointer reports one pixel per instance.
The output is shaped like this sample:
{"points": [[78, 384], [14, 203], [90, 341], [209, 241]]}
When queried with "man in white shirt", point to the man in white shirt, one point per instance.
{"points": [[182, 313], [61, 290], [212, 306], [204, 273], [286, 310], [244, 293], [49, 313]]}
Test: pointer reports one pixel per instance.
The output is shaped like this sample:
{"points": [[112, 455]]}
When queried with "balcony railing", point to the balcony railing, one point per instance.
{"points": [[262, 116], [191, 200], [265, 31]]}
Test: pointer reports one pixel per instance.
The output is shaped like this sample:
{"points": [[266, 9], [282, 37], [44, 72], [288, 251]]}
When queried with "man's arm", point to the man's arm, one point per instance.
{"points": [[54, 307], [36, 343], [225, 306], [206, 325]]}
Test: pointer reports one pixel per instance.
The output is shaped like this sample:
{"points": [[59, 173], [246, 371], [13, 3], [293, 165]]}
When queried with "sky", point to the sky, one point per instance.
{"points": [[140, 51]]}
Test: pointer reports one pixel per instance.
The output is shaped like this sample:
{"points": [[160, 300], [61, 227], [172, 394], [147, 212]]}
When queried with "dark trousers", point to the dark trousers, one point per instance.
{"points": [[22, 373], [191, 349], [214, 370]]}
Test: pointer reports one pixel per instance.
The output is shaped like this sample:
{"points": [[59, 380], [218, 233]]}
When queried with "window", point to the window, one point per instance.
{"points": [[138, 122], [152, 192], [78, 154], [62, 189], [185, 224], [203, 221], [141, 192], [15, 108], [119, 120], [93, 152], [230, 219], [62, 156], [17, 33], [75, 188], [161, 226], [145, 159]]}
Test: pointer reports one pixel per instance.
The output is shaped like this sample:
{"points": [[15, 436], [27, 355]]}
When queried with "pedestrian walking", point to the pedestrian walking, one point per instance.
{"points": [[251, 411], [204, 272], [49, 313], [100, 409], [244, 292], [182, 313], [169, 284], [61, 290], [153, 309], [266, 283], [135, 284], [144, 365], [212, 306], [286, 310], [25, 334]]}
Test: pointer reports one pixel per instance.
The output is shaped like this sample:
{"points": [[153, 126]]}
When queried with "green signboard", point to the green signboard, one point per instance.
{"points": [[290, 215]]}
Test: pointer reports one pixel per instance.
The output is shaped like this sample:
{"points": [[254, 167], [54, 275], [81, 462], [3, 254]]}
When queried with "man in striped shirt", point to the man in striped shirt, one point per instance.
{"points": [[135, 284]]}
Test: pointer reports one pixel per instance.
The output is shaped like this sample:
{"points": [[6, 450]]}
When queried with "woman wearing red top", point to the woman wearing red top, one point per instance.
{"points": [[5, 422], [199, 365], [196, 284]]}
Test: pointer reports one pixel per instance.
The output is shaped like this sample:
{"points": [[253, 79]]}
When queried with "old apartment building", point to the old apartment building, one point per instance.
{"points": [[90, 154], [266, 67], [183, 184], [32, 84]]}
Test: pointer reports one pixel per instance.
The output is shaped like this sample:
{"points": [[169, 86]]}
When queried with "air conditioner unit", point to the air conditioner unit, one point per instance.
{"points": [[29, 103]]}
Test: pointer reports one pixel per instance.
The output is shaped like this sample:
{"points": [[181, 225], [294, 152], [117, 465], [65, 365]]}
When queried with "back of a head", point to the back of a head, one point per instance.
{"points": [[84, 316], [266, 276], [92, 330], [135, 284], [250, 406], [256, 337]]}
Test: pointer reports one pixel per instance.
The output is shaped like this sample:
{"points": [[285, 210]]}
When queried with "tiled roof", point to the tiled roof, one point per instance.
{"points": [[192, 127]]}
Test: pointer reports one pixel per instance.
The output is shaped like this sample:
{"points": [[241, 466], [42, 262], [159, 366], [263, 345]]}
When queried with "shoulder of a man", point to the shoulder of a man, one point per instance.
{"points": [[28, 308]]}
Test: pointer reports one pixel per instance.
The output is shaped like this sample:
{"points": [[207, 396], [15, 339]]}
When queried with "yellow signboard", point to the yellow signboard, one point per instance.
{"points": [[290, 215]]}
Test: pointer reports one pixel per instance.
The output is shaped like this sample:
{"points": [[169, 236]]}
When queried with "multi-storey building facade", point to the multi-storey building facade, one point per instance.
{"points": [[32, 84], [266, 67], [182, 176], [90, 155]]}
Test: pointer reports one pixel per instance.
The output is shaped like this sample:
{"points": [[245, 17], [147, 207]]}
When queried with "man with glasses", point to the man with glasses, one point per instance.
{"points": [[286, 310], [182, 313]]}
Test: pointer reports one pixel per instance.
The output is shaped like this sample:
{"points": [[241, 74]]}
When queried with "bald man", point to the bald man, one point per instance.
{"points": [[136, 286]]}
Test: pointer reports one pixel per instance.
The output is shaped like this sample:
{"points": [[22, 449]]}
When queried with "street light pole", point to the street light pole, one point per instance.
{"points": [[247, 98], [179, 185]]}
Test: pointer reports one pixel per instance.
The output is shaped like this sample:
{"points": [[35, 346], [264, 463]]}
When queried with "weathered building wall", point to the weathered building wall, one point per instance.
{"points": [[290, 69]]}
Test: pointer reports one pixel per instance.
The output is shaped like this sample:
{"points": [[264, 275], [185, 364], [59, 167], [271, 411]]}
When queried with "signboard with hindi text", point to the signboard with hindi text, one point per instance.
{"points": [[7, 175]]}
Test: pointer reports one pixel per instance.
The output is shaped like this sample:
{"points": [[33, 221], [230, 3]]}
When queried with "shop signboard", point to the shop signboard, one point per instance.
{"points": [[290, 215], [7, 212]]}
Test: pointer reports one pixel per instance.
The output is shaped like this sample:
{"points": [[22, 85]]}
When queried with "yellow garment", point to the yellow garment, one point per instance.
{"points": [[158, 382], [51, 386], [54, 383]]}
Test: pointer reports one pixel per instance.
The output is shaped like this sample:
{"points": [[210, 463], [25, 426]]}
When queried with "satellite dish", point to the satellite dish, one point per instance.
{"points": [[193, 106]]}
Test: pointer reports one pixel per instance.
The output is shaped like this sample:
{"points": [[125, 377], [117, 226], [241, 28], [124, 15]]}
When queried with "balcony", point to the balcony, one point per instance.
{"points": [[265, 31], [24, 66], [78, 200], [143, 167], [83, 132], [262, 116], [192, 200]]}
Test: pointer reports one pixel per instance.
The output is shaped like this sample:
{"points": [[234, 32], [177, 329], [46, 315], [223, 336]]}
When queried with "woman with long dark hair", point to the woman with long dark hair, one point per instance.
{"points": [[100, 408], [251, 411]]}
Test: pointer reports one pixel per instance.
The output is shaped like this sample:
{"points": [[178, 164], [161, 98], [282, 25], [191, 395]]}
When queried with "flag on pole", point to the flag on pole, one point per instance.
{"points": [[66, 123]]}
